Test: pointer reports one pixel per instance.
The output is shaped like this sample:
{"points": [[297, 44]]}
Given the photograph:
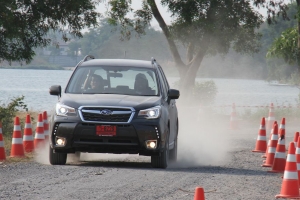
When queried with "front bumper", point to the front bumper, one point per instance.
{"points": [[130, 138]]}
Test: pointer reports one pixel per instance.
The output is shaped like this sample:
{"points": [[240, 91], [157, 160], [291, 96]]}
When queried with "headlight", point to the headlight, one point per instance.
{"points": [[150, 113], [63, 110]]}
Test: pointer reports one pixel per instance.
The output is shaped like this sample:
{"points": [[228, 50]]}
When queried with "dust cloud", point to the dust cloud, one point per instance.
{"points": [[203, 137], [42, 154]]}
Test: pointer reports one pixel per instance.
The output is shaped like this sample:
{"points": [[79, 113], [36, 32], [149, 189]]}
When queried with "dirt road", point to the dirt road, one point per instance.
{"points": [[210, 156]]}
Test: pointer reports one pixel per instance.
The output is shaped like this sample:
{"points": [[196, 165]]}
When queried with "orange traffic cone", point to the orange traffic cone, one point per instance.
{"points": [[46, 125], [17, 148], [39, 137], [282, 126], [233, 118], [280, 154], [296, 138], [271, 117], [298, 158], [2, 150], [269, 141], [261, 143], [272, 147], [28, 137], [290, 183], [199, 194]]}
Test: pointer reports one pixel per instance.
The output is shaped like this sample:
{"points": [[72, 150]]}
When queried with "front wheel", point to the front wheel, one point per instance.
{"points": [[57, 158], [173, 152], [162, 160]]}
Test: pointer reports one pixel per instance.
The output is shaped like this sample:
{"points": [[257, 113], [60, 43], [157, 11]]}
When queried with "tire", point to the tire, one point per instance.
{"points": [[57, 158], [162, 160], [173, 152]]}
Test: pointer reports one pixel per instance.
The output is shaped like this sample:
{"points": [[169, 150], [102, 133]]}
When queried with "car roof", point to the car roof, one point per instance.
{"points": [[118, 62]]}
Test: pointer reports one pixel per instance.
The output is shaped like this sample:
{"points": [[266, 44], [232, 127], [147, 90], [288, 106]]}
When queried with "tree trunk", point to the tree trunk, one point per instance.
{"points": [[190, 77], [181, 67], [187, 72], [190, 52]]}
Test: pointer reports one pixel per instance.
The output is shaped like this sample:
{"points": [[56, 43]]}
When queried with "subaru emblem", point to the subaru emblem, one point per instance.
{"points": [[105, 112]]}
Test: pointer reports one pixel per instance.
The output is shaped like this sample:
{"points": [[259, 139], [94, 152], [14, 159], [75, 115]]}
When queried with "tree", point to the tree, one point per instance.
{"points": [[104, 42], [287, 45], [24, 24], [202, 26]]}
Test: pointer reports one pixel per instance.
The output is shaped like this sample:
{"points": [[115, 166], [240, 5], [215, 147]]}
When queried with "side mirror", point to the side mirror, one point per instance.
{"points": [[173, 94], [55, 90]]}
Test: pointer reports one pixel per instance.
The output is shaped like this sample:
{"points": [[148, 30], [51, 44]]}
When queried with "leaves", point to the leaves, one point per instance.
{"points": [[286, 47], [24, 24], [8, 112]]}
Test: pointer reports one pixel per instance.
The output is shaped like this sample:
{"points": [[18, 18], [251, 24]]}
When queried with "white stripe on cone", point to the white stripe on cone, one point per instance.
{"points": [[17, 128], [39, 136], [271, 150], [290, 175], [28, 125], [259, 137], [40, 124], [281, 126], [27, 138], [280, 155], [291, 158], [17, 141]]}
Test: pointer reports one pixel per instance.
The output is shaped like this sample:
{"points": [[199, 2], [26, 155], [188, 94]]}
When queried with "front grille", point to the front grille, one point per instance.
{"points": [[106, 114]]}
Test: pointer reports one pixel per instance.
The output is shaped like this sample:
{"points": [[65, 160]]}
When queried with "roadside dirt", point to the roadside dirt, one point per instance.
{"points": [[210, 156]]}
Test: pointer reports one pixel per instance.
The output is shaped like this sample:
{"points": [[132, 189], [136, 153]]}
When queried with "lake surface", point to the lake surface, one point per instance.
{"points": [[34, 85]]}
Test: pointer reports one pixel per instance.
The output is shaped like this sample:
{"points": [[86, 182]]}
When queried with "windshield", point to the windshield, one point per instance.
{"points": [[113, 80]]}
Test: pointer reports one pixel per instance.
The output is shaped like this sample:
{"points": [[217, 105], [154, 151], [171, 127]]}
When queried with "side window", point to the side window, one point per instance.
{"points": [[162, 83]]}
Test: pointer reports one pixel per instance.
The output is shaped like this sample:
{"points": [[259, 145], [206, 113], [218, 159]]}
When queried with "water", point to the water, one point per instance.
{"points": [[34, 85]]}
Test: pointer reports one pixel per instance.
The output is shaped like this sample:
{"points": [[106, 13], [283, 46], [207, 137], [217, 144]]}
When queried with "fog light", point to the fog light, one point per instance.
{"points": [[151, 144], [60, 141]]}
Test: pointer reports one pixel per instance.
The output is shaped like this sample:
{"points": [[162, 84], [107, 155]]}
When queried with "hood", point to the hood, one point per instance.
{"points": [[137, 102]]}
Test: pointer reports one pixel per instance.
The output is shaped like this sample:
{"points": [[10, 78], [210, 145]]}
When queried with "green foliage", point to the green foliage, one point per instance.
{"points": [[9, 111], [202, 27], [218, 23], [25, 24], [286, 46]]}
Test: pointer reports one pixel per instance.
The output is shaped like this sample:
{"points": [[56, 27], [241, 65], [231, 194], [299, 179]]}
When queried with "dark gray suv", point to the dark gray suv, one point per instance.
{"points": [[115, 106]]}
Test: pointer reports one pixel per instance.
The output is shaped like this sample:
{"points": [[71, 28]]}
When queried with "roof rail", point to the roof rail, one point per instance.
{"points": [[153, 60], [88, 56]]}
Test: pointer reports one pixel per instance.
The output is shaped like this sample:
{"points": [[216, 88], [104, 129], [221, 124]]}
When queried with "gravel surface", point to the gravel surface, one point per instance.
{"points": [[210, 156]]}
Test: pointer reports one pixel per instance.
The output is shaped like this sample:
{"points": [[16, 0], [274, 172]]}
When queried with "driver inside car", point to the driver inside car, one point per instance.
{"points": [[96, 84]]}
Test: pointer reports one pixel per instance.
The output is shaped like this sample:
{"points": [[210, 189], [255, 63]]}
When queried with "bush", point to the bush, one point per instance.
{"points": [[203, 93], [9, 111]]}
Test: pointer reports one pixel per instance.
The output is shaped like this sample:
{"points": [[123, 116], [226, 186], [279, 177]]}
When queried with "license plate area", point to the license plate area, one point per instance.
{"points": [[106, 130]]}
